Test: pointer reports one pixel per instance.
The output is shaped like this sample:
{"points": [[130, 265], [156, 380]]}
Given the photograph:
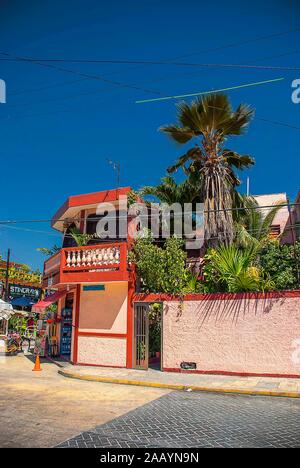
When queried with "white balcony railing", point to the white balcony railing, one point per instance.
{"points": [[80, 257]]}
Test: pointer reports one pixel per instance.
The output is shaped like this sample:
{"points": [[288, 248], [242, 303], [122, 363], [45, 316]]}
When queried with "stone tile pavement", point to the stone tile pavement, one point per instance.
{"points": [[218, 383], [191, 419]]}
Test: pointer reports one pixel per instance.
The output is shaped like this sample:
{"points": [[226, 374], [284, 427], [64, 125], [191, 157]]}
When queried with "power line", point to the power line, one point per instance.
{"points": [[248, 230], [244, 42], [230, 45], [278, 123], [43, 62], [166, 98], [263, 207], [84, 75]]}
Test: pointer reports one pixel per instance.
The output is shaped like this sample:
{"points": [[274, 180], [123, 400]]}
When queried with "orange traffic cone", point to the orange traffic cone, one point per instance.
{"points": [[37, 365]]}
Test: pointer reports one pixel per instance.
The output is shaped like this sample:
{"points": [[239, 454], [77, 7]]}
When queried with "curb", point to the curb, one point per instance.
{"points": [[141, 383]]}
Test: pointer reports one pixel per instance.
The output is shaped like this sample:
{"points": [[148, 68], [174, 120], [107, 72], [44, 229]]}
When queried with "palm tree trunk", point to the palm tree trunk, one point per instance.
{"points": [[217, 196]]}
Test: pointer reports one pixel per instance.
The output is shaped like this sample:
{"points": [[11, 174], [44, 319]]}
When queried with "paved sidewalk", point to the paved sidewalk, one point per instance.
{"points": [[184, 381]]}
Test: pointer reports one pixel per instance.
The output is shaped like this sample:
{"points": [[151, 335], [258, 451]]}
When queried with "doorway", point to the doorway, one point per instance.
{"points": [[147, 336], [66, 327]]}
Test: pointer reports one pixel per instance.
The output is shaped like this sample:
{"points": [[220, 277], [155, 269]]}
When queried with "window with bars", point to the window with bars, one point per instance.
{"points": [[275, 230]]}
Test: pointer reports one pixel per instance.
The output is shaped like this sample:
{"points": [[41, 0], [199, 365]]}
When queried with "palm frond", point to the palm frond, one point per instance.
{"points": [[194, 154], [178, 134], [237, 160]]}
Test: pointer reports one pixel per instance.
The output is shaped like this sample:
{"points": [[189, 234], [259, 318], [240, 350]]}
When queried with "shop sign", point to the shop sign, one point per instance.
{"points": [[18, 290], [94, 287]]}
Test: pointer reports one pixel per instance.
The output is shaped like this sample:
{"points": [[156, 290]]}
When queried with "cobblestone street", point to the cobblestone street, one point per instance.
{"points": [[44, 409], [185, 420]]}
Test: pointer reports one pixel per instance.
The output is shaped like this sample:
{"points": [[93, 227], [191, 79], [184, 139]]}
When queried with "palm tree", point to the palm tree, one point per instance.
{"points": [[79, 238], [209, 121], [253, 224], [168, 191]]}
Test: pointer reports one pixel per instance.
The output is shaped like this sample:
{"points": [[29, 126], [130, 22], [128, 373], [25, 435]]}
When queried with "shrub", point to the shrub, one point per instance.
{"points": [[162, 269]]}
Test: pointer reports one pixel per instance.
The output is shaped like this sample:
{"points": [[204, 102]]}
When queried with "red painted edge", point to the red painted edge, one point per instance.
{"points": [[106, 335], [99, 365], [89, 199], [216, 296], [76, 324], [240, 374], [130, 298]]}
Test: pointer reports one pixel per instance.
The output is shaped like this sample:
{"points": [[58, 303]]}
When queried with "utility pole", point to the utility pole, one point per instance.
{"points": [[116, 167], [7, 276], [248, 186]]}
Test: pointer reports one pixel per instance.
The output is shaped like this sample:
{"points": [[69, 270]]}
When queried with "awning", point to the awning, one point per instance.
{"points": [[40, 306], [6, 310], [22, 301]]}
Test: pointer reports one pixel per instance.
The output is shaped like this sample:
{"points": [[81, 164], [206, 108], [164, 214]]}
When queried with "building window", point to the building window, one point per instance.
{"points": [[275, 230]]}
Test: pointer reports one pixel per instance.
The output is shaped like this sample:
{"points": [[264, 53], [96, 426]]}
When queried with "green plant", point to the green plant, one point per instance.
{"points": [[168, 191], [253, 224], [161, 269], [49, 252], [231, 269], [278, 261], [21, 273], [79, 238], [155, 311], [210, 121]]}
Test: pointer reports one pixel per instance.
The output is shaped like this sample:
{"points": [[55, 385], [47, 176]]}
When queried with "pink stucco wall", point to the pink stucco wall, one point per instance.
{"points": [[104, 311], [103, 325], [102, 351], [243, 336]]}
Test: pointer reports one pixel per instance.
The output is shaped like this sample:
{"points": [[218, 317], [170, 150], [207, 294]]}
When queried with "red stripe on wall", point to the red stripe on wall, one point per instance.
{"points": [[104, 335], [216, 296], [240, 374], [76, 324], [131, 291]]}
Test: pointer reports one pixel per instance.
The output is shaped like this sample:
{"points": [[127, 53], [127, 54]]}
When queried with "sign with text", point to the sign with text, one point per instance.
{"points": [[18, 290]]}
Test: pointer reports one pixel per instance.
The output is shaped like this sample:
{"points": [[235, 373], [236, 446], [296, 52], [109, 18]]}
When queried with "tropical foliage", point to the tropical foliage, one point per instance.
{"points": [[253, 224], [168, 191], [21, 273], [232, 269], [79, 238], [49, 252], [162, 269], [209, 121], [281, 263]]}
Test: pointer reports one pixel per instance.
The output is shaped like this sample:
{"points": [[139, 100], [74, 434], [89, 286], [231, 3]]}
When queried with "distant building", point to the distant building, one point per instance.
{"points": [[281, 222]]}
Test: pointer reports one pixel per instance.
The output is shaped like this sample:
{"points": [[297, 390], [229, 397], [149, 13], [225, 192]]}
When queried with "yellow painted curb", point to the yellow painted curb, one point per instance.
{"points": [[141, 383]]}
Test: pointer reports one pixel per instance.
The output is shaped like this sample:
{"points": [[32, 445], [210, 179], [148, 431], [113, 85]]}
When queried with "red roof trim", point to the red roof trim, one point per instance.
{"points": [[90, 199]]}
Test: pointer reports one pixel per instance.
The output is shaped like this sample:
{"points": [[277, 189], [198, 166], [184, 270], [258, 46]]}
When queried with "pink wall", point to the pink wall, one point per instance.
{"points": [[102, 351], [243, 335], [103, 325], [104, 311]]}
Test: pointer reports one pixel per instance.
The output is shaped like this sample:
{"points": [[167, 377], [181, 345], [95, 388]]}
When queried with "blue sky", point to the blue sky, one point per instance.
{"points": [[57, 128]]}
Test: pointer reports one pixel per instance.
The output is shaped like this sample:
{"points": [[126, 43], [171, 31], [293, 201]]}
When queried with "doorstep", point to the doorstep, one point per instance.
{"points": [[265, 386]]}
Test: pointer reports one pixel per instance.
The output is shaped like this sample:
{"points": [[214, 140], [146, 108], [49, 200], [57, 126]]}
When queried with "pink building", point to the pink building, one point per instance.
{"points": [[94, 284], [281, 222], [100, 319]]}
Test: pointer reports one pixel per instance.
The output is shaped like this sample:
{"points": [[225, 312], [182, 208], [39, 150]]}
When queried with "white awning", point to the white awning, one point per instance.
{"points": [[6, 310]]}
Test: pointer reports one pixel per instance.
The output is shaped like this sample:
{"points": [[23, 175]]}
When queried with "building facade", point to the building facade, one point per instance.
{"points": [[94, 283]]}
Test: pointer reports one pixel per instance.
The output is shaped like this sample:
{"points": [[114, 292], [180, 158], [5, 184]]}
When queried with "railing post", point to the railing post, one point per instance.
{"points": [[123, 257]]}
